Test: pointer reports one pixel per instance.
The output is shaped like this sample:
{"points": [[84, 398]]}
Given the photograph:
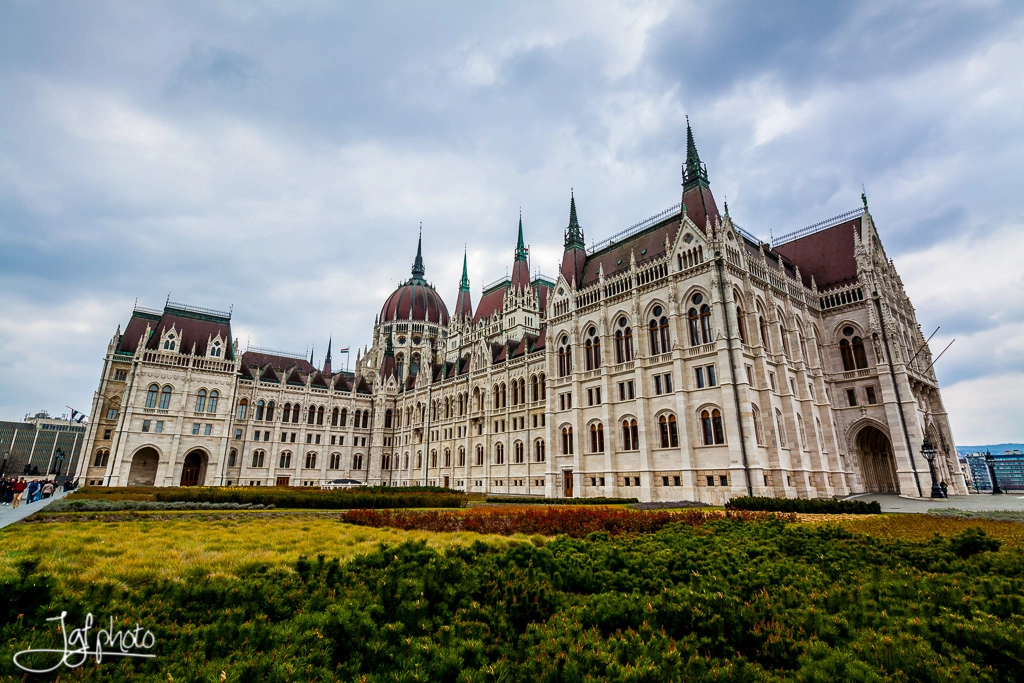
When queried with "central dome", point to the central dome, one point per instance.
{"points": [[415, 300]]}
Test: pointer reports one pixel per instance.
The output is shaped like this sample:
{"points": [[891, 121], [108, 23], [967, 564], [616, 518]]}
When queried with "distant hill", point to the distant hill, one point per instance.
{"points": [[995, 449]]}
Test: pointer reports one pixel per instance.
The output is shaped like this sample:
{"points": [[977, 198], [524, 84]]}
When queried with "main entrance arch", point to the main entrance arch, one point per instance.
{"points": [[143, 469], [877, 463], [193, 472]]}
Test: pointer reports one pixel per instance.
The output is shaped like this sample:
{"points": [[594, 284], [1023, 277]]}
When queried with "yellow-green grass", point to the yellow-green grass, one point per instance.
{"points": [[922, 528], [139, 551]]}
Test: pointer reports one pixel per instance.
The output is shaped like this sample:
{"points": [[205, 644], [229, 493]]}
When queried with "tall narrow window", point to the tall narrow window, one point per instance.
{"points": [[597, 438], [151, 395], [705, 324], [258, 413], [859, 356], [623, 342], [762, 327], [212, 405], [344, 417], [741, 327], [311, 415], [564, 357], [538, 450], [517, 452], [780, 425], [295, 413], [479, 455], [243, 407], [320, 415], [165, 398], [334, 417], [758, 428], [499, 454], [668, 431], [593, 349], [630, 435], [201, 401], [711, 427], [567, 441]]}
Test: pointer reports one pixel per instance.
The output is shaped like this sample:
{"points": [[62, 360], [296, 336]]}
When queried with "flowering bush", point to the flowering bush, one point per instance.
{"points": [[360, 497], [548, 521]]}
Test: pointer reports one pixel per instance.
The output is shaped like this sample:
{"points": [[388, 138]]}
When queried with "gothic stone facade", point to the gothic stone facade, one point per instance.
{"points": [[683, 359]]}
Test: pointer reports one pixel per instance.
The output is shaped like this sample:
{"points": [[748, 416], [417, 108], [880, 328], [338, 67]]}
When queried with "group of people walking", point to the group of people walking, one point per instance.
{"points": [[15, 490]]}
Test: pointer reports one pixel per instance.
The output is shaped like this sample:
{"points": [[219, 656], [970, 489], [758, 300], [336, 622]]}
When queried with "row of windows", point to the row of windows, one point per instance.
{"points": [[259, 459], [712, 433], [264, 411]]}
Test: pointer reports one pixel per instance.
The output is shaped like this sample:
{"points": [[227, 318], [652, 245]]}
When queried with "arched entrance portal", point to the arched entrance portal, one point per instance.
{"points": [[143, 470], [877, 464], [194, 468]]}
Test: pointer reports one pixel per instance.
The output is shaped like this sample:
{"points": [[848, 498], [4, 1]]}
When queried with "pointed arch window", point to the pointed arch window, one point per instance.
{"points": [[780, 424], [334, 417], [711, 428], [388, 418], [705, 324], [211, 407], [668, 431], [623, 341], [462, 456], [258, 413], [285, 460], [741, 327], [165, 398], [311, 415], [296, 413], [499, 454], [320, 415], [357, 461], [344, 417], [763, 329], [564, 357], [447, 457], [567, 448], [151, 395], [592, 350], [479, 455], [630, 435], [201, 401], [534, 388], [657, 330], [543, 386], [538, 450], [860, 358], [517, 452], [758, 427], [597, 438], [258, 458]]}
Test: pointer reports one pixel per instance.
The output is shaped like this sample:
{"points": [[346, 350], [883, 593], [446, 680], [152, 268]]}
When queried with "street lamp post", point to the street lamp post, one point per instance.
{"points": [[3, 470], [928, 451]]}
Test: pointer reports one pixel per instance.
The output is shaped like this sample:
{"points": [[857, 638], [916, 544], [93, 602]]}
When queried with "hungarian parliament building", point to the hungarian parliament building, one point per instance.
{"points": [[681, 359]]}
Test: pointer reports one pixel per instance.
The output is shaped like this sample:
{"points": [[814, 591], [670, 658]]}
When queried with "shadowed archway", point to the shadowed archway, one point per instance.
{"points": [[877, 463], [144, 465], [193, 472]]}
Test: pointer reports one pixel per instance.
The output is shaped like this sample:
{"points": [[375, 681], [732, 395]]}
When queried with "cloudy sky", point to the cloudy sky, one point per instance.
{"points": [[279, 156]]}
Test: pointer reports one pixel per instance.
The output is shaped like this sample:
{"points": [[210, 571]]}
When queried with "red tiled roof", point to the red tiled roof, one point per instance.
{"points": [[191, 331], [136, 328], [490, 303], [419, 298], [280, 363], [646, 245], [827, 255]]}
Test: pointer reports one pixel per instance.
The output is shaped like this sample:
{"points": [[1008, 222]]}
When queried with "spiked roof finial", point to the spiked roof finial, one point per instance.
{"points": [[520, 246], [464, 283], [695, 173], [573, 233], [417, 266]]}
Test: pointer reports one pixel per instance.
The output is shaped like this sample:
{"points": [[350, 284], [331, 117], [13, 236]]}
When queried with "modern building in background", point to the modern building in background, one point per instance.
{"points": [[41, 444], [680, 359]]}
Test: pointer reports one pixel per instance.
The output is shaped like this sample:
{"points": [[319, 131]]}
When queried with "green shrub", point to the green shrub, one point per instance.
{"points": [[972, 541], [537, 500], [346, 499], [821, 506]]}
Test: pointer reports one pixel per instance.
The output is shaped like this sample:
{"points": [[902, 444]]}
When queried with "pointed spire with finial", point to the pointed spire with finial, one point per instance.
{"points": [[463, 303], [417, 266], [327, 360], [695, 173], [520, 246], [573, 233], [864, 196], [311, 354], [520, 266], [464, 282]]}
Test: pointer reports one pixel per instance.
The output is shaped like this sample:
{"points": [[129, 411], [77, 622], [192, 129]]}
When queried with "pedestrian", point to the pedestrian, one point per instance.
{"points": [[945, 488], [19, 491], [5, 490], [47, 489], [32, 490]]}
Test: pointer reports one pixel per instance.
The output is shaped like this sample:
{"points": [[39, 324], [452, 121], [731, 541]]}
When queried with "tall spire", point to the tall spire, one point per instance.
{"points": [[573, 233], [417, 266], [695, 173], [520, 247], [327, 360], [464, 283]]}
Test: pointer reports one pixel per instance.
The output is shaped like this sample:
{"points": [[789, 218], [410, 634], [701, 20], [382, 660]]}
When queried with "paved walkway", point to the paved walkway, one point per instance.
{"points": [[8, 515], [981, 501]]}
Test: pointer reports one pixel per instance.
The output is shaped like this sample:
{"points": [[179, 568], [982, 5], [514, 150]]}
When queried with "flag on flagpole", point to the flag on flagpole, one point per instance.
{"points": [[344, 350]]}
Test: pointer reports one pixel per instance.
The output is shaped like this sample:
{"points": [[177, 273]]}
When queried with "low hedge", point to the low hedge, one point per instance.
{"points": [[531, 500], [99, 505], [821, 506], [377, 497]]}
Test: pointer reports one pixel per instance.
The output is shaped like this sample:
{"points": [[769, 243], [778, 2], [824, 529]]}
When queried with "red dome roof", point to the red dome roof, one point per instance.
{"points": [[415, 300], [418, 297]]}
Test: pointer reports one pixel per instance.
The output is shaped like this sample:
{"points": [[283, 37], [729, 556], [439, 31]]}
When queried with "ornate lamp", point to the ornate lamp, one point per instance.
{"points": [[928, 451]]}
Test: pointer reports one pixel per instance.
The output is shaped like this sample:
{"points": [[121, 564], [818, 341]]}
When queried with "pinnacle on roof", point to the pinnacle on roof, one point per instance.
{"points": [[389, 350], [695, 173], [520, 247], [573, 233], [417, 266], [464, 283], [329, 340]]}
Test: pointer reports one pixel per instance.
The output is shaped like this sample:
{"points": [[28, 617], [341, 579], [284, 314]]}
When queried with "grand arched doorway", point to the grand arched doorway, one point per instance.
{"points": [[193, 471], [143, 470], [877, 463]]}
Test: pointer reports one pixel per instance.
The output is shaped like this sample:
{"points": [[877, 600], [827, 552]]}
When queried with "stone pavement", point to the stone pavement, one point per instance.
{"points": [[977, 502], [8, 515]]}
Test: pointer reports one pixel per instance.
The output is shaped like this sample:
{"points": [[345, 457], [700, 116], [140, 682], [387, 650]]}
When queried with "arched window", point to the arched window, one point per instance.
{"points": [[462, 456], [517, 452], [860, 358], [211, 407], [311, 415], [151, 395], [499, 454], [388, 418], [592, 350], [668, 431], [763, 329], [258, 413], [780, 425], [232, 457], [479, 455], [566, 440], [366, 418], [784, 334], [800, 431], [258, 458], [538, 450], [534, 388], [419, 460], [216, 350], [335, 461], [295, 414], [705, 324], [355, 418], [711, 428], [344, 417], [522, 390], [357, 461], [693, 325], [447, 457], [741, 326], [399, 366], [543, 386], [564, 357], [515, 392], [334, 417], [623, 342], [758, 427], [102, 457], [630, 435], [433, 458], [201, 401], [597, 438], [165, 398], [658, 332], [285, 460], [320, 415], [846, 353], [243, 407]]}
